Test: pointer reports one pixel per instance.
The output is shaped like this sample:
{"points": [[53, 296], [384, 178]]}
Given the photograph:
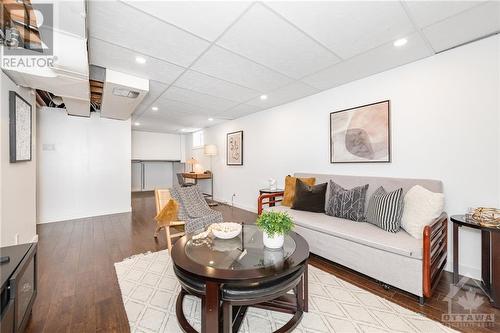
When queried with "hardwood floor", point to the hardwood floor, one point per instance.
{"points": [[78, 290]]}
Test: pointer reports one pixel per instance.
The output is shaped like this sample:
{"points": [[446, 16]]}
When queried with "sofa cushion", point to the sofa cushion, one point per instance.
{"points": [[362, 233], [290, 182], [385, 209], [421, 208], [347, 204], [309, 198]]}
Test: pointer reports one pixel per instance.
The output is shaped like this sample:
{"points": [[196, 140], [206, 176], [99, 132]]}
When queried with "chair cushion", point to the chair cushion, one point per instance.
{"points": [[168, 213], [362, 233], [289, 194], [385, 209], [309, 198], [347, 204]]}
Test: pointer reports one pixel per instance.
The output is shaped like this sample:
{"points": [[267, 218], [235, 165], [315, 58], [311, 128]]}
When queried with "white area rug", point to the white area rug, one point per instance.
{"points": [[149, 291]]}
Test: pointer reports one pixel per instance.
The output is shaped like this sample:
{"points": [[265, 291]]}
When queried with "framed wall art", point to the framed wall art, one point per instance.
{"points": [[361, 134], [234, 148], [20, 128]]}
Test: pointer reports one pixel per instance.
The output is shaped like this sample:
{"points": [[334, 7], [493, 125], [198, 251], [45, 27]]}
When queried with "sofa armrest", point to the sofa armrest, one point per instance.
{"points": [[435, 252], [272, 198]]}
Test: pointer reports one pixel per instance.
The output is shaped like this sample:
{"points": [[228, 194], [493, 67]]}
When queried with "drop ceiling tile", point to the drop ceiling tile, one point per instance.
{"points": [[199, 99], [121, 24], [174, 123], [239, 111], [284, 95], [375, 61], [348, 27], [212, 86], [207, 19], [121, 59], [155, 91], [425, 13], [233, 68], [477, 22], [266, 38], [167, 106]]}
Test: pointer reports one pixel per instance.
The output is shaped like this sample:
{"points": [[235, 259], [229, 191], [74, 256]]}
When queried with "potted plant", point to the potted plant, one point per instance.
{"points": [[274, 226]]}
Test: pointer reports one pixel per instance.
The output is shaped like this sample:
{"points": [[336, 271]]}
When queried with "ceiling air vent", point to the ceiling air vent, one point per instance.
{"points": [[125, 93]]}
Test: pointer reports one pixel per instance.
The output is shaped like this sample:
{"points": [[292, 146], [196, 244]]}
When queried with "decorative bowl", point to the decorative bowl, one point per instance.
{"points": [[226, 230]]}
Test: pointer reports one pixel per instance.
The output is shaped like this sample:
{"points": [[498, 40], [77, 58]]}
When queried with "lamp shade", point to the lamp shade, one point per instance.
{"points": [[191, 161], [210, 150]]}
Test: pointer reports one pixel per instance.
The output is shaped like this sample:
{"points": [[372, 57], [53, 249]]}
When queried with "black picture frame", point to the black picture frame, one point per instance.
{"points": [[227, 148], [13, 109], [388, 134]]}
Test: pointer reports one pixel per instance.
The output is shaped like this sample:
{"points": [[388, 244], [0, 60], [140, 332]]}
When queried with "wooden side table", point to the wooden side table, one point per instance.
{"points": [[490, 256], [269, 191]]}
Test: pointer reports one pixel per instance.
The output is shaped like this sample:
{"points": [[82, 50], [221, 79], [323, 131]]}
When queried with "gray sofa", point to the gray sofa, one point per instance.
{"points": [[396, 259]]}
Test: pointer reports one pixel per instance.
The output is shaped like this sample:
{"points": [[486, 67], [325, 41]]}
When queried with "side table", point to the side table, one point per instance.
{"points": [[490, 256], [270, 191]]}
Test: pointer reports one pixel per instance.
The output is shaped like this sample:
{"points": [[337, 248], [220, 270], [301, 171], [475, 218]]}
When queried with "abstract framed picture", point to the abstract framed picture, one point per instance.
{"points": [[20, 127], [234, 148], [361, 134]]}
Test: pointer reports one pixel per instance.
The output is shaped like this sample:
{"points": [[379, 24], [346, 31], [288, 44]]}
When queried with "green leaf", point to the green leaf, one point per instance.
{"points": [[272, 223]]}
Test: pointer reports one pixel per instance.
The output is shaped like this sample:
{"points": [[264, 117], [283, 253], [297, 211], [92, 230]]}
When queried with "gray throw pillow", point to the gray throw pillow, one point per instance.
{"points": [[385, 209], [347, 204]]}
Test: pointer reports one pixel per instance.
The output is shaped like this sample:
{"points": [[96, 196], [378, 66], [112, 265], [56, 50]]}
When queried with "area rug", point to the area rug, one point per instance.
{"points": [[149, 290]]}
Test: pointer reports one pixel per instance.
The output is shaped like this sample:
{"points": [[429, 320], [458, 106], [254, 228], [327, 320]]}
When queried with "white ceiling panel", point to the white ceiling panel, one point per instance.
{"points": [[167, 106], [207, 19], [202, 100], [121, 59], [425, 13], [284, 95], [123, 25], [348, 27], [231, 67], [174, 122], [215, 87], [239, 111], [375, 61], [155, 90], [276, 44], [469, 25]]}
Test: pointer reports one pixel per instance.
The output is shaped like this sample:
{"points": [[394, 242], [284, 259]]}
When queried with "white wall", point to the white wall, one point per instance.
{"points": [[84, 166], [156, 146], [17, 180], [445, 125]]}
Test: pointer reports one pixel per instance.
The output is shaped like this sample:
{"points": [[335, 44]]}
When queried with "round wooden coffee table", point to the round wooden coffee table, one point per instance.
{"points": [[231, 275]]}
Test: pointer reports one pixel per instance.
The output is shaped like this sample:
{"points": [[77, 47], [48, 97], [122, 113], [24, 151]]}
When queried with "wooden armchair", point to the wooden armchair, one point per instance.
{"points": [[162, 196]]}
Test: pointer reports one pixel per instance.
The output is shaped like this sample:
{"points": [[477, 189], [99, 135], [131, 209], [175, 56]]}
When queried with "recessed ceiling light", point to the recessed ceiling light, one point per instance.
{"points": [[263, 97], [210, 119], [137, 124], [400, 42], [154, 108], [183, 130], [140, 60]]}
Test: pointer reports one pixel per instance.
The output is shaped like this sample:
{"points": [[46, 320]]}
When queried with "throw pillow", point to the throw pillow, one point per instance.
{"points": [[385, 209], [290, 189], [309, 198], [347, 204], [168, 213], [421, 208]]}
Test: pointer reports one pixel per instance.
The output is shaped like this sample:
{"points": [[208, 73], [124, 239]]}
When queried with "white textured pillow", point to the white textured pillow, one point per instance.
{"points": [[421, 207]]}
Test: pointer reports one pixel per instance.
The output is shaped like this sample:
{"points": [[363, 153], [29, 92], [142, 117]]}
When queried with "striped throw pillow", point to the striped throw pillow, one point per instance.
{"points": [[385, 209]]}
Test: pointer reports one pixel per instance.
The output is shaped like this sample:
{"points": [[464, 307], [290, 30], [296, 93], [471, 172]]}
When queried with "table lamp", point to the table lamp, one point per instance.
{"points": [[192, 161]]}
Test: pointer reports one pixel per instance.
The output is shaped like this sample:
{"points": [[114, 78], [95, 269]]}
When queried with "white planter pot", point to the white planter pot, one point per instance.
{"points": [[274, 242]]}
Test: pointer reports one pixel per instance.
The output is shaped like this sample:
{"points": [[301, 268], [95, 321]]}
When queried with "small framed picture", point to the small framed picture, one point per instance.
{"points": [[20, 128], [361, 134], [234, 148]]}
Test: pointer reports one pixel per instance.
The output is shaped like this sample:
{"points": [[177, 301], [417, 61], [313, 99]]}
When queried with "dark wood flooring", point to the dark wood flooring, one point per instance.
{"points": [[78, 290]]}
